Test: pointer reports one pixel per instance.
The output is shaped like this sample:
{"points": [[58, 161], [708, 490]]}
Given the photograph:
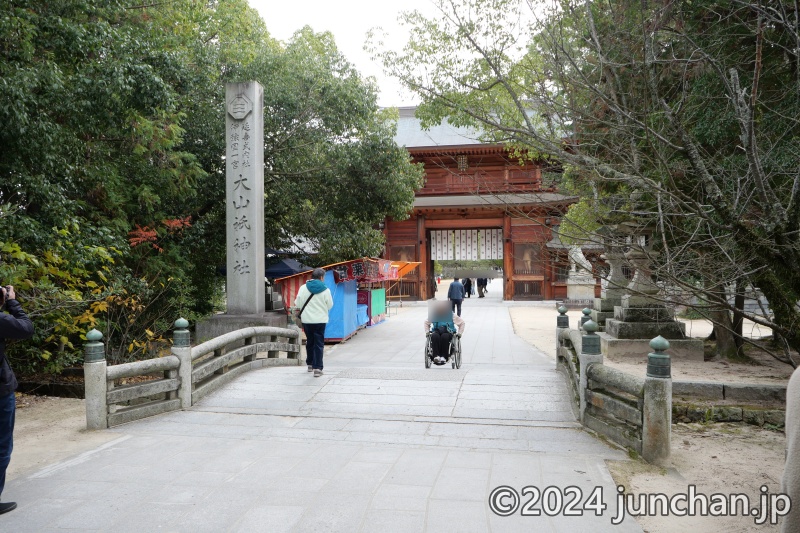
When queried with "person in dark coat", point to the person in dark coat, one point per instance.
{"points": [[456, 295], [481, 287], [468, 287], [13, 325]]}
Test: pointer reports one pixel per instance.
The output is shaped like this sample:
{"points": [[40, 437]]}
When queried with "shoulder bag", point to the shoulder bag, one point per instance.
{"points": [[297, 314]]}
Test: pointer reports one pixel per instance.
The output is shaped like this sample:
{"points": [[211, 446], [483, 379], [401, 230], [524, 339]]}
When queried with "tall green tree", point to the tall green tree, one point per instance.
{"points": [[112, 168], [680, 116]]}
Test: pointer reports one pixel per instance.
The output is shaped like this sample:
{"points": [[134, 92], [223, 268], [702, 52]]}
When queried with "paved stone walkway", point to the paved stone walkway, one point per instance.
{"points": [[378, 444]]}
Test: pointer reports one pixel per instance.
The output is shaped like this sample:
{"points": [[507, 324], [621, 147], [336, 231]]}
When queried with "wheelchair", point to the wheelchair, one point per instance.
{"points": [[455, 351]]}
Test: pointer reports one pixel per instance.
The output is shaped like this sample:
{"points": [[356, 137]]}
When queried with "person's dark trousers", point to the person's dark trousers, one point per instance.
{"points": [[8, 407], [457, 304], [440, 341], [315, 344]]}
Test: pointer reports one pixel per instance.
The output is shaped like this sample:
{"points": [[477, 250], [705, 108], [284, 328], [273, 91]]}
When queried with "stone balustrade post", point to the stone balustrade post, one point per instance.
{"points": [[95, 381], [299, 342], [272, 354], [249, 341], [590, 354], [586, 316], [182, 349], [562, 323], [657, 410]]}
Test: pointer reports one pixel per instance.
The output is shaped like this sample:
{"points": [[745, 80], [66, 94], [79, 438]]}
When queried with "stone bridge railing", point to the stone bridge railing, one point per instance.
{"points": [[632, 411], [180, 379]]}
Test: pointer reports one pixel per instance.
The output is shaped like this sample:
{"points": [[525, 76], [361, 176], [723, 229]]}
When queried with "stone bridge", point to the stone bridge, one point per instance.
{"points": [[377, 444]]}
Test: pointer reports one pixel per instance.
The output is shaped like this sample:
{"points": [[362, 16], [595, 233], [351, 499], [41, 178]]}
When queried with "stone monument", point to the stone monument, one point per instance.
{"points": [[580, 282], [244, 196]]}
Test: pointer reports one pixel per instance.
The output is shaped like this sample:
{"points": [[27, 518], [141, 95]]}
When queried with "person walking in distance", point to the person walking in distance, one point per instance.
{"points": [[314, 301], [468, 287], [481, 287], [13, 325], [456, 295]]}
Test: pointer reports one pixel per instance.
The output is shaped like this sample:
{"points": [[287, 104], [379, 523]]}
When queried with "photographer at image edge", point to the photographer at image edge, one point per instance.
{"points": [[14, 324]]}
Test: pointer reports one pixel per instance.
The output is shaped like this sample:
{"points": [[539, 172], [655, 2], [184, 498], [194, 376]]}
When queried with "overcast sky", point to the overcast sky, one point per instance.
{"points": [[349, 21]]}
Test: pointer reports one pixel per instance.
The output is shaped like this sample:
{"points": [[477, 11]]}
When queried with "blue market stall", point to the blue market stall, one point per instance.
{"points": [[343, 318]]}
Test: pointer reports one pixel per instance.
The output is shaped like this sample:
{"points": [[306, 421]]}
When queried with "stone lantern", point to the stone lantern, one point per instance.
{"points": [[641, 315]]}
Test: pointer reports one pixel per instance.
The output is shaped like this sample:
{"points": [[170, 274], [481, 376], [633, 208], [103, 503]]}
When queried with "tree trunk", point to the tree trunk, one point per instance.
{"points": [[738, 318], [726, 344]]}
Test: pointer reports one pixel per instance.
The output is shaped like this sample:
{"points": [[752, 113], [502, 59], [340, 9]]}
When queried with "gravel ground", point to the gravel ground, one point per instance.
{"points": [[49, 430]]}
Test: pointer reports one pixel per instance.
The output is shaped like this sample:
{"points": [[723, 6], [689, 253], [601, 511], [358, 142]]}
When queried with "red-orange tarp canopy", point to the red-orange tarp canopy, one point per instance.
{"points": [[365, 269], [404, 267]]}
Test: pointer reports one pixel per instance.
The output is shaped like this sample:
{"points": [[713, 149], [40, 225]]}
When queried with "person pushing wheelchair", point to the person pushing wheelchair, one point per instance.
{"points": [[441, 325]]}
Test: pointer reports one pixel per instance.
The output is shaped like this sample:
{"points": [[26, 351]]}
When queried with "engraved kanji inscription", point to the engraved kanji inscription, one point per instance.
{"points": [[240, 223], [241, 267]]}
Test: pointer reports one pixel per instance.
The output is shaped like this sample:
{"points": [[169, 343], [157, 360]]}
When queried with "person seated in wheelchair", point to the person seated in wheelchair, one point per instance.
{"points": [[441, 325]]}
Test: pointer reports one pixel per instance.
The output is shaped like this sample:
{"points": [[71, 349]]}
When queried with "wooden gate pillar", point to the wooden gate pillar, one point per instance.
{"points": [[422, 257], [508, 259]]}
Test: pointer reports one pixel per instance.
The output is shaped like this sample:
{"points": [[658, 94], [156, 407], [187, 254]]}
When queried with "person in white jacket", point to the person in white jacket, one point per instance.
{"points": [[314, 300]]}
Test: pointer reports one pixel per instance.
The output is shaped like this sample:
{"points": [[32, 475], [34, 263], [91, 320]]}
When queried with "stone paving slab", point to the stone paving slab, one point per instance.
{"points": [[378, 444], [432, 374]]}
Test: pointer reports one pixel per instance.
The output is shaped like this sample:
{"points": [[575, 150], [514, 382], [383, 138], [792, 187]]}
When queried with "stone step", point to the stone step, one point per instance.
{"points": [[275, 305], [645, 330], [643, 314]]}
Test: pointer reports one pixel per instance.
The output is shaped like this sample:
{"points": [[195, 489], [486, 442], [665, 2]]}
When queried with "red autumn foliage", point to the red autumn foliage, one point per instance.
{"points": [[174, 225], [142, 235], [148, 235]]}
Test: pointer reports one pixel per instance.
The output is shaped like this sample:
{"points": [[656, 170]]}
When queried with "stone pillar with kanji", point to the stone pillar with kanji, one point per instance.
{"points": [[244, 197], [244, 218]]}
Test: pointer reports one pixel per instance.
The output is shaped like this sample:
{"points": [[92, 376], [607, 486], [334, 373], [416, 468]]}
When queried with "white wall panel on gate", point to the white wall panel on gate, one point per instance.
{"points": [[466, 245], [451, 245], [447, 245], [473, 245], [439, 246], [497, 244]]}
